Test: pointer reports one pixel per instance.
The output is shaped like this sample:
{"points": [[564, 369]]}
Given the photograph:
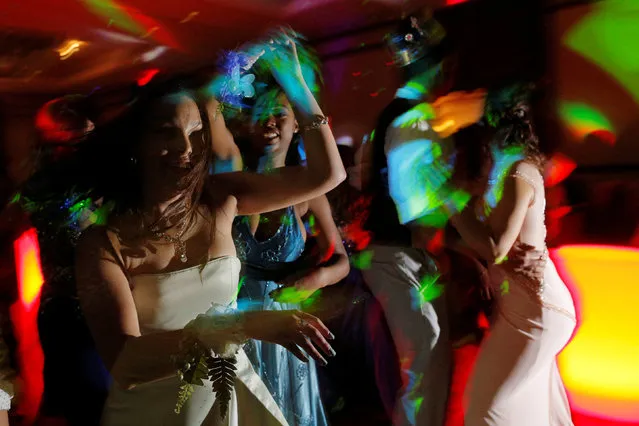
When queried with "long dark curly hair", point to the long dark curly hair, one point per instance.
{"points": [[513, 114], [510, 121], [516, 129]]}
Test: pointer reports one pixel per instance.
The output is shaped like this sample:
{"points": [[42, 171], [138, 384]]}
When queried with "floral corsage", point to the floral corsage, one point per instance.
{"points": [[209, 353]]}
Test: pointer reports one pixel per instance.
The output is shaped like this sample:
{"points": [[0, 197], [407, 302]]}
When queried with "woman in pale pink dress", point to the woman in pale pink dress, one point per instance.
{"points": [[516, 381]]}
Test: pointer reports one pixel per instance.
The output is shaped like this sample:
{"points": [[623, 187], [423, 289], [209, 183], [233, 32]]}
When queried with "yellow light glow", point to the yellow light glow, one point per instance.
{"points": [[69, 47], [600, 366], [27, 258]]}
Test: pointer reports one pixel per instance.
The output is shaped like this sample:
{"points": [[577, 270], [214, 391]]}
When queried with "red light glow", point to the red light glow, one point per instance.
{"points": [[24, 316], [558, 168], [147, 76]]}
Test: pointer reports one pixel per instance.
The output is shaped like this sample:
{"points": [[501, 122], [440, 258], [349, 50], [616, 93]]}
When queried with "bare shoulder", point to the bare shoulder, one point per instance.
{"points": [[99, 243], [528, 171], [526, 183], [92, 240]]}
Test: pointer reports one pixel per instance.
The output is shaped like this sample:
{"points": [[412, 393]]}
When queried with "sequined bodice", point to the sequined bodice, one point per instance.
{"points": [[286, 245]]}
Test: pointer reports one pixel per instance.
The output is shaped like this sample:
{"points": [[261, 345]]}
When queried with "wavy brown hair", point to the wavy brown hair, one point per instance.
{"points": [[118, 176], [516, 129]]}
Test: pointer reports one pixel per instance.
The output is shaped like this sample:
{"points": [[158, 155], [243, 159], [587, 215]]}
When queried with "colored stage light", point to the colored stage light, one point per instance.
{"points": [[600, 365]]}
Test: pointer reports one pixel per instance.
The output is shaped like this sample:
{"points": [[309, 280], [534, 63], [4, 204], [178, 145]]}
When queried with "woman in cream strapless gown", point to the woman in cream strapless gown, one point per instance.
{"points": [[515, 379], [168, 302], [167, 255]]}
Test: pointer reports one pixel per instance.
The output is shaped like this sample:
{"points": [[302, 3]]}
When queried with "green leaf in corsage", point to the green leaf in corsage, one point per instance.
{"points": [[220, 328]]}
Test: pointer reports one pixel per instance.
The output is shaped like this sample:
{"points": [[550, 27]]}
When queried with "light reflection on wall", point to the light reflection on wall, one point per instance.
{"points": [[583, 120], [608, 37], [600, 365], [594, 67]]}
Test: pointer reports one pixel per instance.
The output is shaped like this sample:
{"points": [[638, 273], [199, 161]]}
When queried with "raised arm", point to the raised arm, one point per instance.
{"points": [[226, 152], [257, 193], [494, 244]]}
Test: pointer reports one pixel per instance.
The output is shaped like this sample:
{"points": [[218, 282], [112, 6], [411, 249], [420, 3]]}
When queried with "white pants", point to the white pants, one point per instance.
{"points": [[419, 329]]}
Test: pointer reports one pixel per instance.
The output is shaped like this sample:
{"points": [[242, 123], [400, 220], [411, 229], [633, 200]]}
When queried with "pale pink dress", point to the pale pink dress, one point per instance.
{"points": [[516, 381]]}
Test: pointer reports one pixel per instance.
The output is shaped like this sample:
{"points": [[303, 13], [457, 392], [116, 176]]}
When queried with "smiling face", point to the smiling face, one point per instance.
{"points": [[173, 146], [274, 125]]}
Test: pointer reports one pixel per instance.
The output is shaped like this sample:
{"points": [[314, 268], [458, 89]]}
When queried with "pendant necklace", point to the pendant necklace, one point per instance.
{"points": [[180, 246]]}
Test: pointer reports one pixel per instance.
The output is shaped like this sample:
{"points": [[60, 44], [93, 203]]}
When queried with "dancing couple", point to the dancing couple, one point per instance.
{"points": [[419, 184]]}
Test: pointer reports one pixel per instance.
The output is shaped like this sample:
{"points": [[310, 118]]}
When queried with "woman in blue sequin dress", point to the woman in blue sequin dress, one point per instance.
{"points": [[269, 242]]}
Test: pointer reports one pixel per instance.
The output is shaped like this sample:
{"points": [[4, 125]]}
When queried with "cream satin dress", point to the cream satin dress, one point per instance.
{"points": [[168, 302], [516, 381]]}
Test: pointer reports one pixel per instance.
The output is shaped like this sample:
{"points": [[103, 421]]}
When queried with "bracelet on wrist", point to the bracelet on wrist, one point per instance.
{"points": [[316, 122]]}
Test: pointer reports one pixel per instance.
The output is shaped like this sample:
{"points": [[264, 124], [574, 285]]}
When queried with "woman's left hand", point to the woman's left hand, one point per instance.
{"points": [[298, 290]]}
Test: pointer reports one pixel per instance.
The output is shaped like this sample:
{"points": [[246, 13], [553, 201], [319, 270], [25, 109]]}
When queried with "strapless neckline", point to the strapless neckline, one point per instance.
{"points": [[189, 269], [168, 301]]}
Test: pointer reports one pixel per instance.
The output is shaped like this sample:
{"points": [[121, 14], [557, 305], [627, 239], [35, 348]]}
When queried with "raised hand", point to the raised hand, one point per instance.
{"points": [[297, 331], [280, 52]]}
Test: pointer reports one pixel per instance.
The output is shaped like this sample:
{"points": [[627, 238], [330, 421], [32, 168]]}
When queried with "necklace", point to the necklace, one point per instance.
{"points": [[180, 246]]}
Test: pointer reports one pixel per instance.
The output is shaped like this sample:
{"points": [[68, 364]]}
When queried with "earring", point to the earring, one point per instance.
{"points": [[133, 160]]}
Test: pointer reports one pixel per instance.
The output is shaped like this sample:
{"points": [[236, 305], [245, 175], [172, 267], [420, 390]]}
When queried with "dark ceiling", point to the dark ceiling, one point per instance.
{"points": [[121, 39]]}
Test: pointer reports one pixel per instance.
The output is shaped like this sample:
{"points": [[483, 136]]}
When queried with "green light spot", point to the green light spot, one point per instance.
{"points": [[583, 119], [505, 287], [239, 286], [362, 260], [608, 37], [430, 289]]}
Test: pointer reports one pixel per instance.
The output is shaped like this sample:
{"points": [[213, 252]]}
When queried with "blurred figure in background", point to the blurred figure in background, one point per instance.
{"points": [[76, 382], [400, 153], [7, 380]]}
